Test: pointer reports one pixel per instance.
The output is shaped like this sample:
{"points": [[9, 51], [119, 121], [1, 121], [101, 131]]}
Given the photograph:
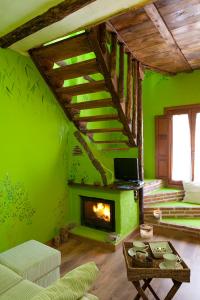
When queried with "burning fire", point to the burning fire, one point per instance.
{"points": [[102, 211]]}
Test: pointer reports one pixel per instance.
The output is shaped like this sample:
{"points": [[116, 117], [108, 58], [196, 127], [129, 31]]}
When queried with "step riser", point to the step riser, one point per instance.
{"points": [[167, 228], [174, 212], [173, 209], [164, 194], [181, 216], [154, 185], [164, 198]]}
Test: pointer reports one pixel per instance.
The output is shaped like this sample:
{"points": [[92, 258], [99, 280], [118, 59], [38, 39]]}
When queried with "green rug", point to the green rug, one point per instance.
{"points": [[163, 191], [173, 204], [183, 222]]}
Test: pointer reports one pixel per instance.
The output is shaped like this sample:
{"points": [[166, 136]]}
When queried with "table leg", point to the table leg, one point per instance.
{"points": [[145, 286], [173, 290], [153, 292], [140, 290]]}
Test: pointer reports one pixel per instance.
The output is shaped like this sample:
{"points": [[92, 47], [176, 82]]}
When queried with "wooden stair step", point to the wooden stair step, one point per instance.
{"points": [[90, 104], [75, 70], [102, 130], [116, 149], [61, 50], [107, 117], [81, 89], [111, 142]]}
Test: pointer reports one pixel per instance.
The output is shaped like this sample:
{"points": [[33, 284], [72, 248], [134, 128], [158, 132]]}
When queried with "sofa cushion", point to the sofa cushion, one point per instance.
{"points": [[72, 286], [8, 279], [24, 290], [192, 192], [31, 260]]}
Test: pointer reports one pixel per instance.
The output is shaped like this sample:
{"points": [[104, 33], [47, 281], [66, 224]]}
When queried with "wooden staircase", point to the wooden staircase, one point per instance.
{"points": [[120, 82]]}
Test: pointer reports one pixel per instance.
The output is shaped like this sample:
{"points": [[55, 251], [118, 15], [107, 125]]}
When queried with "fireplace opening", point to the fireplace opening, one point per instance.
{"points": [[98, 213]]}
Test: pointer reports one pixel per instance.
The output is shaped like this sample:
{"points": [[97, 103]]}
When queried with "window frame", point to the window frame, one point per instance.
{"points": [[192, 111]]}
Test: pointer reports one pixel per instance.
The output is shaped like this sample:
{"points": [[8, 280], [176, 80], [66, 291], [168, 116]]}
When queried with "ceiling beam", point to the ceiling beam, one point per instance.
{"points": [[53, 15], [155, 16]]}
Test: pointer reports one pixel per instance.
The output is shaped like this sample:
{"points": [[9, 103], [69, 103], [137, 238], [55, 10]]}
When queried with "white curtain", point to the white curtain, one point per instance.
{"points": [[181, 152], [197, 150]]}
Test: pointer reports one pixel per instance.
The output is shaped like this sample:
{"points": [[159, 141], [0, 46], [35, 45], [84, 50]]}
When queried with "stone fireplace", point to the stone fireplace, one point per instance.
{"points": [[98, 213]]}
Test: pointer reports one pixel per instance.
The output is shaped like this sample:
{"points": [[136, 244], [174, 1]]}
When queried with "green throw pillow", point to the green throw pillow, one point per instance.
{"points": [[72, 286]]}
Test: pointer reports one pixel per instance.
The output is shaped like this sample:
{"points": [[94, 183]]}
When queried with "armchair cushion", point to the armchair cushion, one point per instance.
{"points": [[8, 279], [72, 286], [24, 290]]}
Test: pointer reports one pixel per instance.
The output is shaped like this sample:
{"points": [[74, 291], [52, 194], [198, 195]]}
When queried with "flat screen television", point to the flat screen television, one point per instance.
{"points": [[126, 169]]}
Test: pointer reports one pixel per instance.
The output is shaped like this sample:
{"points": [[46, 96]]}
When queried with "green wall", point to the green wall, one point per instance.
{"points": [[33, 156], [159, 92], [36, 155]]}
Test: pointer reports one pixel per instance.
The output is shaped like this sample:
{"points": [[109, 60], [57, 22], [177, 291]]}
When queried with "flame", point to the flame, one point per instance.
{"points": [[102, 211]]}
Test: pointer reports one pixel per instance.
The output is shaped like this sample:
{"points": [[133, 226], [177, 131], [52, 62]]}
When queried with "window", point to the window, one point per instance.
{"points": [[181, 148], [197, 149], [178, 144]]}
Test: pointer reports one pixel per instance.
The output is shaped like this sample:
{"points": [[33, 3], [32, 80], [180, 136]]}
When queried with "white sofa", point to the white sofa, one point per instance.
{"points": [[27, 269]]}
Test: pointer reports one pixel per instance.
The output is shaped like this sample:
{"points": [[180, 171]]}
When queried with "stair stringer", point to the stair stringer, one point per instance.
{"points": [[106, 173]]}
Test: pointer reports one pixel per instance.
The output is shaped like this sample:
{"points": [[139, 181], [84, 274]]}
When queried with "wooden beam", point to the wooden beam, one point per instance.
{"points": [[62, 50], [140, 150], [155, 16], [94, 161], [102, 130], [121, 73], [135, 102], [62, 63], [53, 15], [102, 37], [129, 101], [80, 89], [113, 56], [96, 118], [91, 104], [74, 70], [111, 142]]}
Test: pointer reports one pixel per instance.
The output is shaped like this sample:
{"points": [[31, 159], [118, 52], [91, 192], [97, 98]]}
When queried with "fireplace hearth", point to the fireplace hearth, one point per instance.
{"points": [[98, 213]]}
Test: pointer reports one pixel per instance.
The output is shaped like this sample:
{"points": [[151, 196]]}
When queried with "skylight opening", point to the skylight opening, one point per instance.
{"points": [[64, 38]]}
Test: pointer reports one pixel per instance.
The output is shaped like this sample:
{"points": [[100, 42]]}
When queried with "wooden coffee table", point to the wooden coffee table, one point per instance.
{"points": [[138, 274]]}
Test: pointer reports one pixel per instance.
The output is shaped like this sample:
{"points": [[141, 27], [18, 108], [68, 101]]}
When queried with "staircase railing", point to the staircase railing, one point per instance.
{"points": [[122, 69]]}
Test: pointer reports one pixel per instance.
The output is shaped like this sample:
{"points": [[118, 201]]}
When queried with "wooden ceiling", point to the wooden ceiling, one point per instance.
{"points": [[164, 35]]}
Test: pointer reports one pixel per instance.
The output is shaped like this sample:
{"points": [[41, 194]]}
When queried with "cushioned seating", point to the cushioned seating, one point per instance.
{"points": [[33, 261], [73, 286], [24, 290], [192, 192], [8, 279]]}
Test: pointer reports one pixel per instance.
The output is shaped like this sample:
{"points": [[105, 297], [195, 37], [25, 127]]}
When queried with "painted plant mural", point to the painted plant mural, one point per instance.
{"points": [[14, 202]]}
